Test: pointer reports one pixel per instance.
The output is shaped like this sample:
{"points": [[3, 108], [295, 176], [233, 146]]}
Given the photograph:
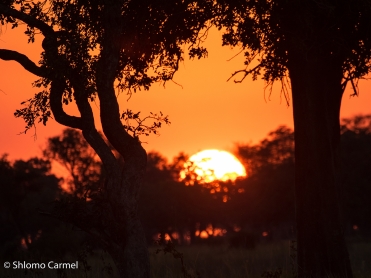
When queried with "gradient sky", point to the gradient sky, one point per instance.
{"points": [[205, 112]]}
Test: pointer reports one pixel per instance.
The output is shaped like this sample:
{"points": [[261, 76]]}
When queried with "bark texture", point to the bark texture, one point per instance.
{"points": [[317, 93]]}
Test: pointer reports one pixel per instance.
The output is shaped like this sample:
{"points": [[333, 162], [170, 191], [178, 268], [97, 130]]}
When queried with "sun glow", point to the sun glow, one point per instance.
{"points": [[212, 165]]}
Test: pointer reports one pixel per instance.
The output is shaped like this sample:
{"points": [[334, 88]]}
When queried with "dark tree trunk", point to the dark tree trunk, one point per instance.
{"points": [[317, 93], [116, 210], [127, 244]]}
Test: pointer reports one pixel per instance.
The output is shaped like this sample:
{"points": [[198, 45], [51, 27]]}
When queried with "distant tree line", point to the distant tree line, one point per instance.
{"points": [[27, 190], [264, 201], [261, 205]]}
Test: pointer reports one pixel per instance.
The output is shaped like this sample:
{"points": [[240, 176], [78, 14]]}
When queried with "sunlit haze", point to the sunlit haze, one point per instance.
{"points": [[206, 111]]}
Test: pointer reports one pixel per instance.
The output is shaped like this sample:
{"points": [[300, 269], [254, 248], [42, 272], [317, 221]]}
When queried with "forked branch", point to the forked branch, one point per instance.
{"points": [[245, 73]]}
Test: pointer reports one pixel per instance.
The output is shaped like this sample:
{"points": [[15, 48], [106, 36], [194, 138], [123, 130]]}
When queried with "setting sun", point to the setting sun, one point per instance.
{"points": [[210, 165]]}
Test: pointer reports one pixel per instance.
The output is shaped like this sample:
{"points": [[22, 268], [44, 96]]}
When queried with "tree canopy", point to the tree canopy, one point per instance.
{"points": [[93, 50], [271, 32], [314, 48], [80, 160]]}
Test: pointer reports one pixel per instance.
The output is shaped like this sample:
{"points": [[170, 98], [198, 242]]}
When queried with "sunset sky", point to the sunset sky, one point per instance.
{"points": [[206, 111]]}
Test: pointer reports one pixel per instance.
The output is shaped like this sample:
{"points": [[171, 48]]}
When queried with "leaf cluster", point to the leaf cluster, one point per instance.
{"points": [[271, 33], [37, 109], [251, 25], [151, 42]]}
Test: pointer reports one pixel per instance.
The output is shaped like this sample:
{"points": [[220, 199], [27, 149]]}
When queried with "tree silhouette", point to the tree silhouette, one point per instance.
{"points": [[321, 46], [27, 187], [80, 160], [276, 149], [269, 188], [356, 173], [265, 202], [91, 48]]}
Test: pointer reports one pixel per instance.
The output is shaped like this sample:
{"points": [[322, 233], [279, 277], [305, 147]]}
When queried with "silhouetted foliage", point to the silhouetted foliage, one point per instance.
{"points": [[269, 186], [314, 48], [80, 160], [265, 202], [276, 149], [27, 188], [91, 49], [356, 173], [158, 168], [169, 208]]}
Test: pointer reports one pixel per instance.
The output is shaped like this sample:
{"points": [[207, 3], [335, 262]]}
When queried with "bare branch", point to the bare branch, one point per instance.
{"points": [[353, 81], [23, 60], [285, 89], [355, 87], [245, 73], [234, 56]]}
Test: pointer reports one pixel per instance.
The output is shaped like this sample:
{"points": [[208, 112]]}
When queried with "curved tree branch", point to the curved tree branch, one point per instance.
{"points": [[23, 60], [96, 141], [89, 130], [29, 20], [86, 121], [245, 73], [129, 147], [57, 88]]}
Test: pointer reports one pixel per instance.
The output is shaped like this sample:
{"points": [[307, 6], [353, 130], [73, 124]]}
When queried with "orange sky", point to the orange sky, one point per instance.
{"points": [[207, 112]]}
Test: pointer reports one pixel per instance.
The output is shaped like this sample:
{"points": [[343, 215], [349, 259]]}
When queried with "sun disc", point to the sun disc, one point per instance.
{"points": [[211, 165]]}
